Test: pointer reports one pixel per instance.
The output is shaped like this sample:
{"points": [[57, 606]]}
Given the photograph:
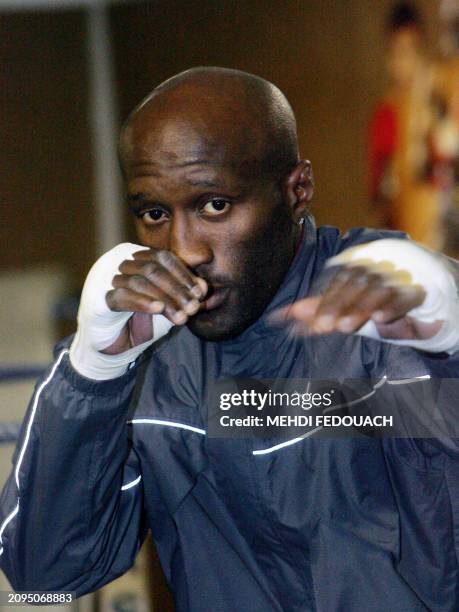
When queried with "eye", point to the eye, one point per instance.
{"points": [[216, 206], [153, 217]]}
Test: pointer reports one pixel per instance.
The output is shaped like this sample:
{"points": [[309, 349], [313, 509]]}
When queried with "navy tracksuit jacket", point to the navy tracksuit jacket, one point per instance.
{"points": [[356, 524]]}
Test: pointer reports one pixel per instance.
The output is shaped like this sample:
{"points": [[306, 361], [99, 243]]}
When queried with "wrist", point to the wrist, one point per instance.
{"points": [[441, 303], [91, 363]]}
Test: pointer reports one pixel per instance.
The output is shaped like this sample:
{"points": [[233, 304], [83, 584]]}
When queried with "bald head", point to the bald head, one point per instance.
{"points": [[227, 116]]}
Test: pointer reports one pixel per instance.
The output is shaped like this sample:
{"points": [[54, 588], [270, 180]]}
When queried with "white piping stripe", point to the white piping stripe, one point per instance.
{"points": [[27, 437], [265, 451], [34, 409], [380, 382], [405, 381], [359, 399], [356, 401], [132, 483], [169, 424], [9, 518]]}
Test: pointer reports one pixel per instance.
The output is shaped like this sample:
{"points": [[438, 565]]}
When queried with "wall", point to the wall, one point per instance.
{"points": [[326, 56], [45, 162]]}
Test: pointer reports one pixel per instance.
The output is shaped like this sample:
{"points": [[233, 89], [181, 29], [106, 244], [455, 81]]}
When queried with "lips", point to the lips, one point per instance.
{"points": [[216, 298]]}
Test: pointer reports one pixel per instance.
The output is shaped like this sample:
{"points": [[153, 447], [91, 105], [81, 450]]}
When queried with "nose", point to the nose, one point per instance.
{"points": [[189, 244]]}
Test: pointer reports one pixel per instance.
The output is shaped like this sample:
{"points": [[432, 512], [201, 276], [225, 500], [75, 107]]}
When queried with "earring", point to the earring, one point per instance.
{"points": [[301, 221]]}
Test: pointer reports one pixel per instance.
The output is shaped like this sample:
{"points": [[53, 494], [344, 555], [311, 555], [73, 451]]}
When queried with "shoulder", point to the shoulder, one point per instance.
{"points": [[331, 241]]}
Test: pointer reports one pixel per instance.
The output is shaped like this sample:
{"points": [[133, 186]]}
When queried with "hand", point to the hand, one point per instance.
{"points": [[361, 290], [122, 297], [153, 282]]}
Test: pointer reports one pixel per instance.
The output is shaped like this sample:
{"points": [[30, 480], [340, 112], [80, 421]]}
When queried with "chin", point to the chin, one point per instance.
{"points": [[215, 327]]}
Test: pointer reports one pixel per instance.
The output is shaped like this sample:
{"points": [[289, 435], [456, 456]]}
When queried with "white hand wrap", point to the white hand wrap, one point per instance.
{"points": [[427, 269], [99, 327]]}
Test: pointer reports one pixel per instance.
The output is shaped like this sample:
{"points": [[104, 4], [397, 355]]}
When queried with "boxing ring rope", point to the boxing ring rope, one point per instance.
{"points": [[17, 373], [9, 433]]}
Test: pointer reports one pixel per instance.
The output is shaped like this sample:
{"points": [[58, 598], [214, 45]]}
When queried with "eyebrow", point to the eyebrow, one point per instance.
{"points": [[140, 198], [197, 161], [137, 200], [203, 183], [137, 197]]}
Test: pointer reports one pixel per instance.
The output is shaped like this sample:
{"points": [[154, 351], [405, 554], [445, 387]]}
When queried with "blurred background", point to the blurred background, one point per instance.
{"points": [[375, 87]]}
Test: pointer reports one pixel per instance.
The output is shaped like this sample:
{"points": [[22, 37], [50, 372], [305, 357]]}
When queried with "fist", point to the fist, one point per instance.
{"points": [[153, 282], [369, 283], [131, 298]]}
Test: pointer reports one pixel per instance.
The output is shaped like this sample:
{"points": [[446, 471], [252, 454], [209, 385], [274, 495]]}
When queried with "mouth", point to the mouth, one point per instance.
{"points": [[216, 298]]}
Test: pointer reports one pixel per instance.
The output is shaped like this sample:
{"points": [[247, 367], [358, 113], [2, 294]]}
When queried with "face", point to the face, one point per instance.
{"points": [[200, 198]]}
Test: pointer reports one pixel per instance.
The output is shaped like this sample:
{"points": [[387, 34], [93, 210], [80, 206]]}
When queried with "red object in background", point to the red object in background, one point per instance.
{"points": [[382, 144]]}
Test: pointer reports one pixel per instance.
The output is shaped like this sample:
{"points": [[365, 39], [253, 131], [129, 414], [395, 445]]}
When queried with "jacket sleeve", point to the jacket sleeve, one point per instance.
{"points": [[71, 514]]}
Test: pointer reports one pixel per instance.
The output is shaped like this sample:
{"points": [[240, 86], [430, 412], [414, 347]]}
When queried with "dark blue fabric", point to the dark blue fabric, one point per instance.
{"points": [[326, 525]]}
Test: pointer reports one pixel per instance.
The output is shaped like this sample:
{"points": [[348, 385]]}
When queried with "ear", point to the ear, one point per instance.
{"points": [[299, 189]]}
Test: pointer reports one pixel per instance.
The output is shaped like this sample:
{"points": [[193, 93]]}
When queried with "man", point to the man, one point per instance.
{"points": [[219, 195]]}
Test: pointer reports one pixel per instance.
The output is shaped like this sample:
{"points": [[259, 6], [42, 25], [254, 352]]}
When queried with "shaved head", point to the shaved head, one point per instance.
{"points": [[247, 113]]}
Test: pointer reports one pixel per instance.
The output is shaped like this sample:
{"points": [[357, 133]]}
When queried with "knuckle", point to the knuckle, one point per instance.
{"points": [[393, 293], [374, 278], [152, 268], [368, 279], [342, 276], [359, 275], [165, 257], [125, 265], [118, 281], [357, 270], [328, 308], [143, 254], [113, 299], [137, 280], [109, 298], [174, 296]]}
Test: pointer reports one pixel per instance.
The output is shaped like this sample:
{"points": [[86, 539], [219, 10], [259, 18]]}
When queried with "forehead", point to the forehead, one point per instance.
{"points": [[168, 141]]}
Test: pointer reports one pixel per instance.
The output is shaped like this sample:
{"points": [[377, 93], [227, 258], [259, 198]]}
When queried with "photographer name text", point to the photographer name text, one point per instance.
{"points": [[303, 420]]}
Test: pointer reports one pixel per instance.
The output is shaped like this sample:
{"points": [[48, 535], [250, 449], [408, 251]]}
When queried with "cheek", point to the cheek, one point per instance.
{"points": [[248, 243], [231, 241], [155, 239], [247, 223], [226, 250]]}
